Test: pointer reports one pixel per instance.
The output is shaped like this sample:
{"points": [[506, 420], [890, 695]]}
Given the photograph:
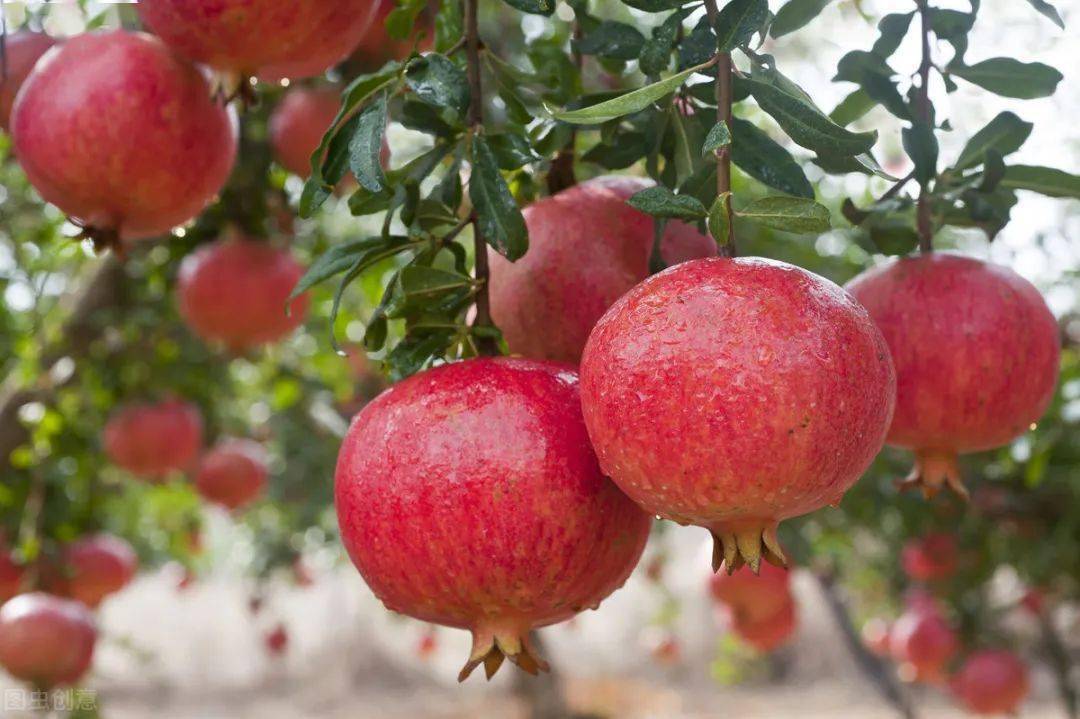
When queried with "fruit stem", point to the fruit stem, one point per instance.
{"points": [[724, 102], [491, 646], [734, 546], [561, 173], [933, 470], [922, 101]]}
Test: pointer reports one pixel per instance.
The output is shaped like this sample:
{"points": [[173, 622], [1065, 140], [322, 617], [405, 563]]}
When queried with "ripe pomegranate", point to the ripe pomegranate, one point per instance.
{"points": [[277, 641], [270, 39], [923, 639], [233, 473], [468, 496], [752, 598], [46, 640], [991, 682], [587, 247], [11, 575], [93, 567], [770, 632], [976, 352], [121, 134], [151, 440], [931, 558], [376, 47], [732, 394], [235, 291], [21, 50]]}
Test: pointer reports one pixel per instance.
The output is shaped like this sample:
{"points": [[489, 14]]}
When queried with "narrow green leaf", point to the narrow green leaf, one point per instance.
{"points": [[612, 39], [656, 53], [1005, 133], [533, 7], [653, 5], [498, 215], [795, 14], [1048, 181], [761, 157], [436, 80], [738, 21], [719, 136], [1009, 77], [660, 201], [1049, 11], [806, 125], [627, 103], [719, 220], [365, 147], [922, 147], [892, 29], [852, 107], [335, 260], [790, 214], [697, 47], [512, 150]]}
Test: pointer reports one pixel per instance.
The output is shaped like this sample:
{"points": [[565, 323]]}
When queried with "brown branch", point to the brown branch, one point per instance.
{"points": [[561, 173], [724, 102], [924, 220]]}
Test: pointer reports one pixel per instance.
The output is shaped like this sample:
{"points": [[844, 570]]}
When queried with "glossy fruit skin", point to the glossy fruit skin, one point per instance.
{"points": [[770, 632], [235, 292], [991, 682], [79, 113], [233, 473], [753, 598], [45, 640], [93, 567], [732, 394], [267, 38], [977, 355], [931, 558], [923, 638], [468, 496], [152, 440], [587, 247], [22, 49]]}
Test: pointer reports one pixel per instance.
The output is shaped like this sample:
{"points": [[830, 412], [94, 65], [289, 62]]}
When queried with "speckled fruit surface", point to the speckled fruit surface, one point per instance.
{"points": [[732, 394], [991, 682], [151, 440], [468, 495], [122, 134], [21, 50], [93, 567], [977, 356], [233, 473], [45, 640], [586, 248]]}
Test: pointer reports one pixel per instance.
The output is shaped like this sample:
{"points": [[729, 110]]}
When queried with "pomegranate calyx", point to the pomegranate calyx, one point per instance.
{"points": [[732, 548], [933, 470], [492, 648]]}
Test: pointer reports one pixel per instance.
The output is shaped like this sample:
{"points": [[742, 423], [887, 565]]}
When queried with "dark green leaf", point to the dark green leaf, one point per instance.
{"points": [[759, 156], [417, 351], [922, 147], [659, 201], [420, 116], [512, 150], [794, 14], [790, 214], [843, 164], [697, 47], [719, 136], [427, 290], [891, 234], [1049, 11], [533, 7], [365, 147], [738, 21], [949, 24], [1009, 77], [993, 171], [1005, 133], [335, 260], [874, 75], [612, 39], [852, 107], [654, 5], [892, 29], [806, 125], [656, 53], [437, 81], [623, 150], [719, 220], [498, 216], [1048, 181], [449, 25], [401, 21], [627, 103]]}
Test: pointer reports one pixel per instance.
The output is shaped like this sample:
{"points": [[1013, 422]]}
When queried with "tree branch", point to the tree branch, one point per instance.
{"points": [[924, 220], [723, 114], [1058, 654]]}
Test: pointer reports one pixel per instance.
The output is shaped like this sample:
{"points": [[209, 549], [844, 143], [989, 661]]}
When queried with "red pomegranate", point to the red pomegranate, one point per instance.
{"points": [[151, 440], [21, 50], [376, 47], [267, 38], [235, 291], [11, 574], [587, 247], [976, 352], [233, 473], [931, 558], [468, 496], [753, 597], [991, 682], [732, 394], [93, 567], [45, 640], [121, 134], [770, 632], [923, 639], [277, 641]]}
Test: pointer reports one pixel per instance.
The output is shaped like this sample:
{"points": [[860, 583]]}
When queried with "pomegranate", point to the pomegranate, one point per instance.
{"points": [[277, 641], [233, 473], [931, 558], [46, 640], [11, 575], [271, 39], [21, 50], [1033, 600], [93, 567], [468, 496], [923, 639], [991, 682], [732, 394], [235, 291], [770, 632], [376, 47], [151, 440], [587, 247], [976, 352], [875, 636], [750, 597], [121, 134]]}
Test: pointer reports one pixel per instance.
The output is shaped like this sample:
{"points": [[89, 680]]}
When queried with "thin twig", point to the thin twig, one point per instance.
{"points": [[891, 192], [723, 114], [924, 220]]}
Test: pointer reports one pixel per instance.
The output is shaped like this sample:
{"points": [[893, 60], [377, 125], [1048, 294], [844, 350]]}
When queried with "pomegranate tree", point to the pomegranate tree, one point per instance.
{"points": [[122, 135], [469, 496], [93, 567], [21, 50], [923, 639], [152, 440], [753, 597], [270, 39], [976, 352], [233, 473], [46, 640], [931, 558], [236, 292], [732, 394], [991, 682], [587, 247]]}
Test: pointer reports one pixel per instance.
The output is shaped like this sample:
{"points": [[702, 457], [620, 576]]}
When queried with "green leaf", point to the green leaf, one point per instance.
{"points": [[1005, 133], [660, 201], [533, 7], [806, 125], [656, 53], [653, 5], [1048, 181], [790, 214], [761, 157], [498, 216], [449, 25], [843, 164], [852, 107], [1049, 11], [335, 260], [922, 147], [627, 103], [624, 149], [436, 80], [512, 150], [612, 39], [1009, 77], [892, 29], [699, 46], [794, 14], [891, 233], [719, 136], [738, 21], [874, 76], [402, 19], [365, 147], [428, 290], [719, 220]]}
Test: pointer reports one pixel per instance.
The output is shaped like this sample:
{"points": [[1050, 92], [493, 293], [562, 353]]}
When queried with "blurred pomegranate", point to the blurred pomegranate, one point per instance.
{"points": [[233, 473], [277, 641], [991, 682], [91, 568], [923, 640], [931, 558], [767, 633], [152, 440], [21, 50], [753, 597], [45, 640]]}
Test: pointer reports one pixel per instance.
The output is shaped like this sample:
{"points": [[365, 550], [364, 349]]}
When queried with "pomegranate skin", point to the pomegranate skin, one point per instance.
{"points": [[753, 598], [45, 640], [977, 355], [468, 496], [732, 394], [770, 632], [587, 247], [122, 135], [93, 567], [991, 682], [235, 292], [22, 49], [152, 440], [267, 38], [923, 639], [931, 558], [233, 473]]}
